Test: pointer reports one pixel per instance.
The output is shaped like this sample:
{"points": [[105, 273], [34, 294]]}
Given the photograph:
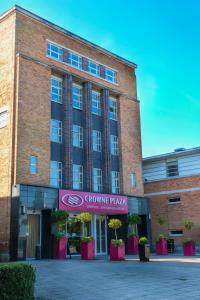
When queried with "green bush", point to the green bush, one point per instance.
{"points": [[117, 243], [17, 281], [143, 240], [87, 239]]}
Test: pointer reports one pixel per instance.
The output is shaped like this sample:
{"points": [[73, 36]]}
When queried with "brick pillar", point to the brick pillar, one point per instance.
{"points": [[88, 162], [106, 142], [67, 132]]}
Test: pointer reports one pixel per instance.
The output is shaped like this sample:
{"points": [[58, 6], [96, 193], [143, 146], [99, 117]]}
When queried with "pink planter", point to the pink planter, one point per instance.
{"points": [[133, 244], [189, 249], [60, 248], [161, 247], [87, 250], [117, 252]]}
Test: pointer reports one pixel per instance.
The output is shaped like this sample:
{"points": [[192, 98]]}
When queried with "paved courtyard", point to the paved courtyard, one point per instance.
{"points": [[163, 278]]}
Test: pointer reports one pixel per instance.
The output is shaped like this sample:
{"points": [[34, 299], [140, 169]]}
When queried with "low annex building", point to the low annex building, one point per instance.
{"points": [[69, 124]]}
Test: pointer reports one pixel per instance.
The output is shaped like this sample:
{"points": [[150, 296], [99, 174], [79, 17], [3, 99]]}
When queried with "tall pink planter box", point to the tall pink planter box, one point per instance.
{"points": [[161, 247], [133, 244], [189, 249], [60, 248], [87, 250], [117, 252]]}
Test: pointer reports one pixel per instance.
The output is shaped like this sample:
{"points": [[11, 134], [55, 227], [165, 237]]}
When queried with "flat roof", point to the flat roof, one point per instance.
{"points": [[69, 33], [177, 153]]}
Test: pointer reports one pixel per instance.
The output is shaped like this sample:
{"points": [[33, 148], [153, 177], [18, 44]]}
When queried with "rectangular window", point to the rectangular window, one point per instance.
{"points": [[96, 140], [55, 173], [56, 89], [133, 180], [115, 186], [110, 75], [93, 68], [56, 131], [176, 233], [174, 200], [33, 164], [97, 180], [172, 168], [96, 103], [114, 145], [3, 118], [77, 98], [112, 108], [77, 136], [55, 52], [75, 60], [77, 177]]}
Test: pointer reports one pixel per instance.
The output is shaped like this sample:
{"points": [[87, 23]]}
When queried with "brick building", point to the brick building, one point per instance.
{"points": [[172, 183], [70, 120]]}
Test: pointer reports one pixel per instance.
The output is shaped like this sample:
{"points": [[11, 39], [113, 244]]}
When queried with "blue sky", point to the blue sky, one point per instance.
{"points": [[163, 39]]}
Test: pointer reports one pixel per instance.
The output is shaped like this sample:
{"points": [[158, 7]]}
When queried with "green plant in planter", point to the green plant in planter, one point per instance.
{"points": [[60, 217], [161, 220], [143, 240], [189, 240], [188, 224], [161, 236], [115, 224], [133, 220], [84, 218]]}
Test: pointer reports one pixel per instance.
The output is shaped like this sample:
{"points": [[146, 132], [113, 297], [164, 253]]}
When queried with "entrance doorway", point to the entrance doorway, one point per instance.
{"points": [[33, 234], [101, 235]]}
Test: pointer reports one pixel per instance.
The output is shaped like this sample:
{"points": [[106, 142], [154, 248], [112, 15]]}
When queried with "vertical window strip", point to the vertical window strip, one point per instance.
{"points": [[33, 164], [114, 145], [56, 173], [77, 136], [77, 97], [96, 140], [56, 131], [113, 108], [115, 186], [56, 89], [97, 180], [96, 103], [77, 177]]}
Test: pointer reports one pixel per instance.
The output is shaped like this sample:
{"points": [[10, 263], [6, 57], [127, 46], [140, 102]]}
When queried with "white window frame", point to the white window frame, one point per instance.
{"points": [[93, 68], [114, 144], [58, 129], [77, 171], [115, 182], [58, 87], [97, 180], [56, 173], [77, 136], [96, 140], [110, 75], [53, 53], [75, 63], [113, 107], [33, 164], [96, 103], [77, 104], [176, 234]]}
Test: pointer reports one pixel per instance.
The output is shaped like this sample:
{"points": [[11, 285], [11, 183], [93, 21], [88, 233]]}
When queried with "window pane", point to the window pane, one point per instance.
{"points": [[77, 97], [56, 90], [33, 164], [96, 103], [112, 108], [77, 177], [55, 174]]}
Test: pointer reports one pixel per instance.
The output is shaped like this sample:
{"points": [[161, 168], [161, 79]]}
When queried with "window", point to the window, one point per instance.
{"points": [[75, 60], [115, 182], [77, 177], [112, 108], [77, 96], [56, 131], [96, 140], [56, 89], [174, 200], [77, 136], [55, 173], [176, 233], [114, 145], [172, 168], [110, 75], [3, 118], [133, 180], [33, 164], [96, 103], [93, 68], [97, 180], [55, 51]]}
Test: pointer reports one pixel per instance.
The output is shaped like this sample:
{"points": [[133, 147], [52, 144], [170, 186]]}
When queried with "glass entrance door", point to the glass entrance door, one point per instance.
{"points": [[101, 235]]}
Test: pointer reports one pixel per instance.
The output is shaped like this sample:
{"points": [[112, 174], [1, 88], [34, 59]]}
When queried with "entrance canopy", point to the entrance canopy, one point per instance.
{"points": [[92, 202]]}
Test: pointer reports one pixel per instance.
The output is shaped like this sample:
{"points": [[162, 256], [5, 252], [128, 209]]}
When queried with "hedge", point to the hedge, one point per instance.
{"points": [[17, 281]]}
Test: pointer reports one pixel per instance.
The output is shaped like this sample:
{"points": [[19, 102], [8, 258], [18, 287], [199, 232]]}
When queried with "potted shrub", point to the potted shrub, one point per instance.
{"points": [[117, 246], [161, 241], [144, 252], [133, 220], [189, 248], [59, 218], [87, 242]]}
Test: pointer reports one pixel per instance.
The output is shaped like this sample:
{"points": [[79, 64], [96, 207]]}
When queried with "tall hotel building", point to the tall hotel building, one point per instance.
{"points": [[69, 135]]}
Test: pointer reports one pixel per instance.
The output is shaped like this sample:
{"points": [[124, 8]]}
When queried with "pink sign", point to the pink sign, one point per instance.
{"points": [[92, 202]]}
